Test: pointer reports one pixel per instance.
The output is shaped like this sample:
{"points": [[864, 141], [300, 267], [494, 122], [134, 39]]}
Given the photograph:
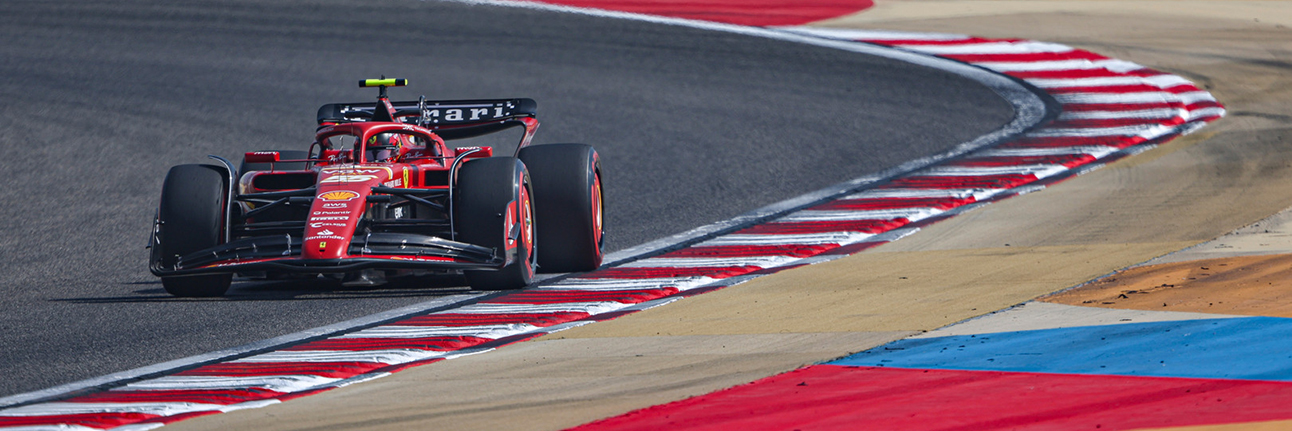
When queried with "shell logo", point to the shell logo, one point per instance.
{"points": [[338, 195]]}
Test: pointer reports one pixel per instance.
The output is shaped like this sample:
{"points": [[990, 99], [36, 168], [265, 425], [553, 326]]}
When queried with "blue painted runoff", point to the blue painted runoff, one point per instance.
{"points": [[1251, 348]]}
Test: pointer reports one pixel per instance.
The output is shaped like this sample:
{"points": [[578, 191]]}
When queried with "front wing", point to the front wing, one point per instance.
{"points": [[370, 251]]}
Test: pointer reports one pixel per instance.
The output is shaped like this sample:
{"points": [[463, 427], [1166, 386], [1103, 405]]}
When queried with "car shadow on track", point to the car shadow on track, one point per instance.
{"points": [[293, 290]]}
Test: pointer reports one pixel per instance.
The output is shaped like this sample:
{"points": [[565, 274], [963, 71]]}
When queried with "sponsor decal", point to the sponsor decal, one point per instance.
{"points": [[338, 195], [330, 212], [235, 262], [355, 170], [311, 238], [319, 225], [342, 178], [324, 234], [395, 183], [466, 113], [336, 205], [329, 218], [419, 258], [406, 176], [350, 170]]}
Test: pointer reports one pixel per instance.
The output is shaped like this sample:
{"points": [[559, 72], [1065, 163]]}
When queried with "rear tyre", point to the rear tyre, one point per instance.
{"points": [[282, 166], [484, 215], [192, 218], [567, 187]]}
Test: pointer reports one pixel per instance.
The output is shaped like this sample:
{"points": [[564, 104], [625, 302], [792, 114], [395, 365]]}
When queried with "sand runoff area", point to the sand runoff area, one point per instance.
{"points": [[1234, 172]]}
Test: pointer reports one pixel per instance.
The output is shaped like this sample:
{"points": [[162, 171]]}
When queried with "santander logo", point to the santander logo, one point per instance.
{"points": [[326, 232]]}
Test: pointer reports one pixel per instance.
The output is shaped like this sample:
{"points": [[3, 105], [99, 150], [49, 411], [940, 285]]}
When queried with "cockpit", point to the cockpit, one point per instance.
{"points": [[385, 147]]}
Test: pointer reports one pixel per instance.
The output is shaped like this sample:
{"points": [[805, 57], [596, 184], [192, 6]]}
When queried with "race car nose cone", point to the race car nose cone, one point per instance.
{"points": [[331, 222]]}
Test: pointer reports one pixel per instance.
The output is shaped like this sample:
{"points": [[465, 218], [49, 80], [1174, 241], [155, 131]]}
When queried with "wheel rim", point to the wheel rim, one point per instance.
{"points": [[527, 229], [597, 210]]}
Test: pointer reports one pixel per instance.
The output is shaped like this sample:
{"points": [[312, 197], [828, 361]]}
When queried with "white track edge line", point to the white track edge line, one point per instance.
{"points": [[60, 390]]}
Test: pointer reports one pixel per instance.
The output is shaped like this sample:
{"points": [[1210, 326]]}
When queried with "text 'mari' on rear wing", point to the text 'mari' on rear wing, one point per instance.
{"points": [[451, 119]]}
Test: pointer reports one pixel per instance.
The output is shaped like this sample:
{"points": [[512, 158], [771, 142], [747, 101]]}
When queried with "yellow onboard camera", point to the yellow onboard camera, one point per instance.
{"points": [[392, 82]]}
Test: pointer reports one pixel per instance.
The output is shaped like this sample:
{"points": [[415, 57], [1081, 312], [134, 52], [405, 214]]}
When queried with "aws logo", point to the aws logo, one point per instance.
{"points": [[358, 170]]}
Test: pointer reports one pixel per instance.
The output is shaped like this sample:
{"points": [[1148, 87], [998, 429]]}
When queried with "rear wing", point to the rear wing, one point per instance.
{"points": [[451, 119]]}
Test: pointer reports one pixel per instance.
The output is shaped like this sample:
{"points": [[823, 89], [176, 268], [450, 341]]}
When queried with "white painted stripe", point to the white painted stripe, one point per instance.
{"points": [[1120, 66], [1146, 130], [1206, 112], [1128, 98], [1159, 113], [852, 34], [141, 426], [585, 307], [884, 214], [604, 284], [839, 238], [1161, 81], [387, 356], [57, 427], [776, 222], [291, 383], [923, 193], [482, 331], [771, 261], [974, 171], [1098, 151], [239, 406], [1187, 97], [151, 408], [1027, 47]]}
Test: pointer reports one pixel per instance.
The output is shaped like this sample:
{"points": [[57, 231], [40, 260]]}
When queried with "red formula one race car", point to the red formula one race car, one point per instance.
{"points": [[379, 194]]}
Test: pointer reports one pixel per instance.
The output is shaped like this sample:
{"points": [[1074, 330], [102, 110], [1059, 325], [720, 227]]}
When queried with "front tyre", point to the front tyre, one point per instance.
{"points": [[492, 208], [191, 213], [567, 187]]}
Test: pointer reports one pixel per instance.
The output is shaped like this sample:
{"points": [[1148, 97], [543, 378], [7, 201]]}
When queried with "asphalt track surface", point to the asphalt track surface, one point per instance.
{"points": [[102, 97]]}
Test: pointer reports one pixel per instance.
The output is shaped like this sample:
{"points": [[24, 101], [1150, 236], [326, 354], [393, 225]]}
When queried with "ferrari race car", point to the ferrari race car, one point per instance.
{"points": [[379, 194]]}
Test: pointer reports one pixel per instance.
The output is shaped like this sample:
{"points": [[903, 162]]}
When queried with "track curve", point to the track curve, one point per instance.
{"points": [[693, 126]]}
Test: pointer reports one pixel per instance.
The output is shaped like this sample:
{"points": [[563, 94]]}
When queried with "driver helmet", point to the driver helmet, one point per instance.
{"points": [[385, 147]]}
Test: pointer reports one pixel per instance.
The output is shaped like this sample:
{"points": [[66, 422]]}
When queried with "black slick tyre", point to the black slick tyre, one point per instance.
{"points": [[567, 190], [192, 215], [493, 208], [281, 166]]}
